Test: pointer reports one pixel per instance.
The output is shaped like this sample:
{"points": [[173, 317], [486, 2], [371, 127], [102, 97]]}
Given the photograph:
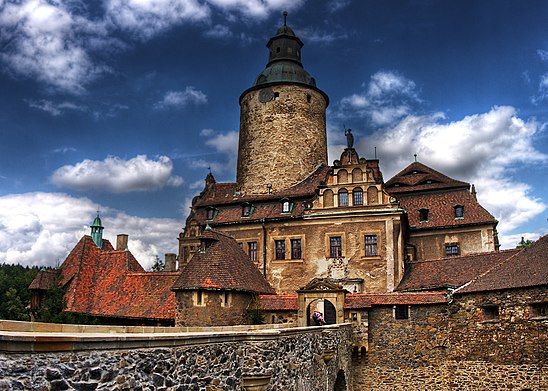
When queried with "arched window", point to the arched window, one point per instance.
{"points": [[342, 176], [327, 199], [357, 196], [357, 175], [372, 195], [343, 197]]}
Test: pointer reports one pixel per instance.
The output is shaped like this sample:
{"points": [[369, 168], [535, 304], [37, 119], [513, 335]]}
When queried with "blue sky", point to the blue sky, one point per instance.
{"points": [[122, 105]]}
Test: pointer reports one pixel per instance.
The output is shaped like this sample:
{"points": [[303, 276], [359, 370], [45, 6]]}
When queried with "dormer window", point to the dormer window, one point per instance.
{"points": [[286, 206], [459, 212], [423, 215], [247, 209], [210, 213]]}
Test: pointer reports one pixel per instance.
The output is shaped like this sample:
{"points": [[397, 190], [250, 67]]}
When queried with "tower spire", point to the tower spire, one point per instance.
{"points": [[97, 231], [285, 18]]}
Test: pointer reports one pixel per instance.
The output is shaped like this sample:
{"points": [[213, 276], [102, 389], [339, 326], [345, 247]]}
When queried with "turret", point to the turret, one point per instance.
{"points": [[97, 232]]}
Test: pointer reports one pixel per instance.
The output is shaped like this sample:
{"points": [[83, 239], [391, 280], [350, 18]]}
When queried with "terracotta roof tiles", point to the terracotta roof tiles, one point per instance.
{"points": [[279, 302], [366, 300]]}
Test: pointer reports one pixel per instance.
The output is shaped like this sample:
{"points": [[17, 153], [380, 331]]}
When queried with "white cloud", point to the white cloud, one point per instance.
{"points": [[256, 9], [317, 36], [543, 54], [117, 175], [53, 108], [226, 143], [387, 98], [41, 229], [146, 18], [179, 99], [219, 31], [45, 41]]}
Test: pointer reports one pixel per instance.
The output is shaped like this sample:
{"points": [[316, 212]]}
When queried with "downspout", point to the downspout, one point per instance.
{"points": [[264, 247]]}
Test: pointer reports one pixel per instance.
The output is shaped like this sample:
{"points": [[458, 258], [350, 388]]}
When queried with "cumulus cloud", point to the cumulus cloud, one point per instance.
{"points": [[117, 175], [180, 99], [256, 9], [144, 19], [386, 98], [40, 229], [46, 41]]}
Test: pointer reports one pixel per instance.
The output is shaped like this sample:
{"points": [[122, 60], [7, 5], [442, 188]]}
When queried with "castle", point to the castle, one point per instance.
{"points": [[410, 262]]}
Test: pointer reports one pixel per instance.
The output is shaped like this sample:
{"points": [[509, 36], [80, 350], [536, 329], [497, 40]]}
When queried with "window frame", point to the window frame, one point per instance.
{"points": [[247, 210], [252, 250], [296, 253], [335, 246], [459, 212], [355, 192], [371, 247], [340, 193], [424, 215], [402, 311], [279, 249], [454, 249]]}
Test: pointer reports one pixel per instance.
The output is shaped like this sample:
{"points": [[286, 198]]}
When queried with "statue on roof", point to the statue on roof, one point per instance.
{"points": [[349, 137]]}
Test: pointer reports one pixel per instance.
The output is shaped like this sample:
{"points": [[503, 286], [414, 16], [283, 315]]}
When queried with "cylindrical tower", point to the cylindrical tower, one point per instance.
{"points": [[282, 121]]}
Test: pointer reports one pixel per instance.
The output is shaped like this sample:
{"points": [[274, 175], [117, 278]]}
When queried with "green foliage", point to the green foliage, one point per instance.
{"points": [[525, 243], [159, 265], [255, 314], [14, 293]]}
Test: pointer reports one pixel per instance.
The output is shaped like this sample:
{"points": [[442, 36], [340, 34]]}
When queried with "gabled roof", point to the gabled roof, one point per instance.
{"points": [[222, 265], [526, 268], [450, 272], [111, 283], [419, 177], [441, 209]]}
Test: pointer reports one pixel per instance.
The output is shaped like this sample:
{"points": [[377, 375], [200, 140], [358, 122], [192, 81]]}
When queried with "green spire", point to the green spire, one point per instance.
{"points": [[97, 231]]}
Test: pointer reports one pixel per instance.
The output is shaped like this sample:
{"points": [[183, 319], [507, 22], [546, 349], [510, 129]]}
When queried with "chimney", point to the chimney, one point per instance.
{"points": [[121, 242], [171, 260]]}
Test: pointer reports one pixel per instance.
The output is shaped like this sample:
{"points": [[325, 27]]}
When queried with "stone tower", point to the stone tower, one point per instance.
{"points": [[282, 121]]}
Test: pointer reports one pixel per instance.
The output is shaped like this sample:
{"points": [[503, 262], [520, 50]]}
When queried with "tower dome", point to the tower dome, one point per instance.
{"points": [[97, 231], [282, 121]]}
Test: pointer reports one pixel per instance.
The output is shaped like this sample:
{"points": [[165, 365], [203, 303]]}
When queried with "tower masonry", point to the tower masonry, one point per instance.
{"points": [[282, 121]]}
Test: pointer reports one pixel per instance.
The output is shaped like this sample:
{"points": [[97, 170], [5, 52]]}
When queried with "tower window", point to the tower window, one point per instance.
{"points": [[371, 245], [335, 247], [296, 251], [276, 96], [357, 196], [280, 249], [278, 49], [459, 212], [343, 197], [423, 215], [308, 98]]}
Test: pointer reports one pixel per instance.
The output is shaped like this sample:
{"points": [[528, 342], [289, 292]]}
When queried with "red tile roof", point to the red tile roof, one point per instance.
{"points": [[419, 177], [279, 302], [526, 268], [108, 282], [223, 265], [451, 272], [366, 300]]}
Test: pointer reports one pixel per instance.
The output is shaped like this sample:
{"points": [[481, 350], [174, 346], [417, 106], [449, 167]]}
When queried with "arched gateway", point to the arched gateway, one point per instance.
{"points": [[323, 295]]}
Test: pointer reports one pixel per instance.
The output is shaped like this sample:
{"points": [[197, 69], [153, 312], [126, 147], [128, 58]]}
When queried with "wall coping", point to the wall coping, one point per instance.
{"points": [[91, 337]]}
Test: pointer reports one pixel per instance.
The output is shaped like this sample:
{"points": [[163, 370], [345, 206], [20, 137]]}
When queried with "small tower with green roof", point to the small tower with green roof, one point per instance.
{"points": [[97, 231]]}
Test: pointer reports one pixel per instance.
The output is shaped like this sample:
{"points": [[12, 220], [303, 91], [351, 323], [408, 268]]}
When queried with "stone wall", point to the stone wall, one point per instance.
{"points": [[290, 359], [282, 141], [458, 346]]}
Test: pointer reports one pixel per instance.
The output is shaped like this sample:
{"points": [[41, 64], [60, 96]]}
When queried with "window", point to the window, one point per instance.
{"points": [[210, 214], [327, 199], [423, 215], [490, 312], [401, 312], [451, 250], [357, 196], [335, 247], [226, 299], [459, 212], [371, 245], [276, 96], [343, 197], [280, 249], [278, 49], [246, 210], [539, 310], [286, 207], [296, 251], [308, 98], [252, 250], [199, 299]]}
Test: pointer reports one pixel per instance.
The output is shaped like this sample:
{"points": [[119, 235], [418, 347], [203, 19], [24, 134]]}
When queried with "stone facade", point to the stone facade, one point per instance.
{"points": [[305, 359], [282, 141], [487, 341], [212, 308]]}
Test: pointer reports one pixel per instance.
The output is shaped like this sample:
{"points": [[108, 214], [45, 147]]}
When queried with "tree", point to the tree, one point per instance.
{"points": [[525, 243], [159, 265]]}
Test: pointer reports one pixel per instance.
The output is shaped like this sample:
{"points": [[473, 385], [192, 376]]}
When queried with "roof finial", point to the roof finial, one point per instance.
{"points": [[285, 18], [415, 157]]}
